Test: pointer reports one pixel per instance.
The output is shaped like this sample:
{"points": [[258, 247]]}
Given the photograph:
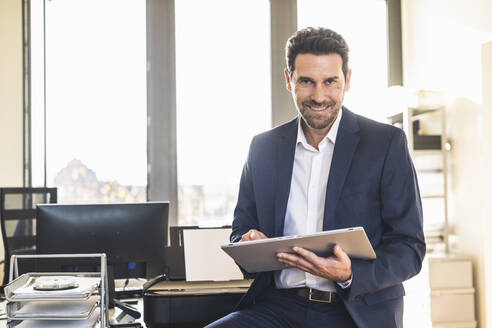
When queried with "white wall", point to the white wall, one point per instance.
{"points": [[442, 49], [442, 44], [11, 157], [11, 93], [486, 160]]}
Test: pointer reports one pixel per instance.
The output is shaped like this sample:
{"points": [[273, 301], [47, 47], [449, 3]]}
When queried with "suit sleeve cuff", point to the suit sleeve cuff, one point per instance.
{"points": [[347, 283]]}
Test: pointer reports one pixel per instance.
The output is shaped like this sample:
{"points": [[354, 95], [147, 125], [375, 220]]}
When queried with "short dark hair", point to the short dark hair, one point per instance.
{"points": [[318, 41]]}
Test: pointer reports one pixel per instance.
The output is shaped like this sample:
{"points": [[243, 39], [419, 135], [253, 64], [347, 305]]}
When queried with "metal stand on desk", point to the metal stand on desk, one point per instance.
{"points": [[103, 289]]}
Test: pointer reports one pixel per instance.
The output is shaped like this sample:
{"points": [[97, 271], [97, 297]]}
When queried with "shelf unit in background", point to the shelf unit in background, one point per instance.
{"points": [[448, 279], [425, 128]]}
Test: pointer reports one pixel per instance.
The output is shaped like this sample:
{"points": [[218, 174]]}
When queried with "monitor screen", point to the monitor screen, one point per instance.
{"points": [[133, 235]]}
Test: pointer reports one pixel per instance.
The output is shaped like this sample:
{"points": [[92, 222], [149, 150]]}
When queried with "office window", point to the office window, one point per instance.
{"points": [[37, 94], [363, 24], [95, 94], [223, 99]]}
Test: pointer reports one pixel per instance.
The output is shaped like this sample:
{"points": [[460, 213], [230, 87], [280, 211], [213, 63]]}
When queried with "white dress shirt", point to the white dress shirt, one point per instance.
{"points": [[306, 204]]}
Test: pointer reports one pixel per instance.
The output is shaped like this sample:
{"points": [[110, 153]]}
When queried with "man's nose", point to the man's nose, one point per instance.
{"points": [[319, 94]]}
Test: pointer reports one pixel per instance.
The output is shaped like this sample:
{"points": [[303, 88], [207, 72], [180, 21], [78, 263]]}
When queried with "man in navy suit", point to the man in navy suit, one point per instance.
{"points": [[328, 169]]}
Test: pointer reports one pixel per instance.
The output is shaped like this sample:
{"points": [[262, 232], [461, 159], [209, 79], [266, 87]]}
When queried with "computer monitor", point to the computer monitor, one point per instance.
{"points": [[133, 235]]}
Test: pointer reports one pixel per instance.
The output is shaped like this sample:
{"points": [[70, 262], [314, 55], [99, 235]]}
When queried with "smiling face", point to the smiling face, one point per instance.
{"points": [[318, 86]]}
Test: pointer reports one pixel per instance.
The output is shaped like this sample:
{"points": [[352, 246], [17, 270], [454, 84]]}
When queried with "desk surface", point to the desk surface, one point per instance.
{"points": [[204, 306]]}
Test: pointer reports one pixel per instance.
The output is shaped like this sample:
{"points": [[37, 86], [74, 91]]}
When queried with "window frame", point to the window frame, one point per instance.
{"points": [[161, 87]]}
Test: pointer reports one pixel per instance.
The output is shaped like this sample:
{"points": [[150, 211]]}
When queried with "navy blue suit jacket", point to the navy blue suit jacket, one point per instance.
{"points": [[372, 183]]}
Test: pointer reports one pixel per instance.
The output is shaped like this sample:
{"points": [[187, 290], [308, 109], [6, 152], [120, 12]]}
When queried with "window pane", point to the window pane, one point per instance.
{"points": [[96, 100], [362, 23], [37, 93], [223, 100]]}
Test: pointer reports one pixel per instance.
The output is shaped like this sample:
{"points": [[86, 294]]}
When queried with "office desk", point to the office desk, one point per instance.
{"points": [[182, 304]]}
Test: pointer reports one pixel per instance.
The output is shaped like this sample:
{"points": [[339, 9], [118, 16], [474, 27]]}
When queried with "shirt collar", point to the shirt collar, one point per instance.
{"points": [[331, 135]]}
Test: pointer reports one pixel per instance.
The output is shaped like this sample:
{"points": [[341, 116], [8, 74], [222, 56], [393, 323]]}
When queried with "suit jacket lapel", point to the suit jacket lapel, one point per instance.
{"points": [[345, 146], [285, 163]]}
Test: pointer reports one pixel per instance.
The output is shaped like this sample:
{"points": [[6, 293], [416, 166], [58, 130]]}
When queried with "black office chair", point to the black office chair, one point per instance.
{"points": [[18, 222]]}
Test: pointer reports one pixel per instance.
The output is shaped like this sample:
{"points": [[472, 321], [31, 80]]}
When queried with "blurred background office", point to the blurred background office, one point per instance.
{"points": [[135, 100]]}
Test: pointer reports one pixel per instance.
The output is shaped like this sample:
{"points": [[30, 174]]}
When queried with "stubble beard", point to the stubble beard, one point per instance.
{"points": [[319, 121]]}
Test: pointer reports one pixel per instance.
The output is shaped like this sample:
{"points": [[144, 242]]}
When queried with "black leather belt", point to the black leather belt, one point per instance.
{"points": [[313, 294]]}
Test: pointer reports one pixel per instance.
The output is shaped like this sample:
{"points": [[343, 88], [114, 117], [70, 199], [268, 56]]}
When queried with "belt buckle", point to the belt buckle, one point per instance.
{"points": [[319, 300]]}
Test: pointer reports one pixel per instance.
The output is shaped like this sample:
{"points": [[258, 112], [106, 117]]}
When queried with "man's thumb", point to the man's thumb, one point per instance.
{"points": [[337, 251]]}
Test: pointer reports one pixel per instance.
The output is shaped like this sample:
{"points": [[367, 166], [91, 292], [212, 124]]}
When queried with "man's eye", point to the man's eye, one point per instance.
{"points": [[305, 82], [330, 82]]}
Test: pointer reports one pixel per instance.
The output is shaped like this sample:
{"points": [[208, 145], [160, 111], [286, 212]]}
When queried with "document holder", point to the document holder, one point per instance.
{"points": [[83, 305]]}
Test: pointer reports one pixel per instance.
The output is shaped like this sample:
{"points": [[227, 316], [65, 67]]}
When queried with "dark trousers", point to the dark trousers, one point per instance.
{"points": [[277, 309]]}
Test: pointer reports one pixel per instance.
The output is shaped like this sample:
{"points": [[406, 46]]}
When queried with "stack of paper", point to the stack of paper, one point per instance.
{"points": [[86, 287], [89, 323], [75, 310], [73, 307]]}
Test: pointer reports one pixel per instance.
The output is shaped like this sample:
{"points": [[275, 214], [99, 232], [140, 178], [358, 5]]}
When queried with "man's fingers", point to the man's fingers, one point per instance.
{"points": [[296, 261], [340, 254], [314, 260], [298, 266], [336, 267], [246, 236], [253, 234], [259, 235], [306, 254]]}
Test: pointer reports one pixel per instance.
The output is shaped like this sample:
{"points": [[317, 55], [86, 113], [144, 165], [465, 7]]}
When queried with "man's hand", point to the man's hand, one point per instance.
{"points": [[253, 234], [337, 267]]}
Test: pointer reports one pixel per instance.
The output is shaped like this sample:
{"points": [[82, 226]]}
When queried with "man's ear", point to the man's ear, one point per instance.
{"points": [[287, 79], [347, 80]]}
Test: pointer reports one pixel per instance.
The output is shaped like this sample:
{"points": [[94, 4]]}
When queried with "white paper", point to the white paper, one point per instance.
{"points": [[89, 323], [85, 288], [56, 309], [204, 259]]}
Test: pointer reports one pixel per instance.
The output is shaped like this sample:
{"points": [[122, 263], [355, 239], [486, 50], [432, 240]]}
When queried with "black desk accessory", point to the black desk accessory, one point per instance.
{"points": [[154, 281], [127, 309], [121, 325]]}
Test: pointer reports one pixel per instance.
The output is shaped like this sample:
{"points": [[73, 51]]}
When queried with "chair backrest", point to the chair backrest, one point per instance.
{"points": [[18, 220]]}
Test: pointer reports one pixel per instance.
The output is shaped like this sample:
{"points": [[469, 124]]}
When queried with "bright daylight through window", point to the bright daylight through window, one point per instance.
{"points": [[96, 115], [363, 25], [223, 100]]}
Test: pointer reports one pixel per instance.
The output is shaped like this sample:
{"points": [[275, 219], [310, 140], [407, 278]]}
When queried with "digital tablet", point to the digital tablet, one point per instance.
{"points": [[260, 255]]}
